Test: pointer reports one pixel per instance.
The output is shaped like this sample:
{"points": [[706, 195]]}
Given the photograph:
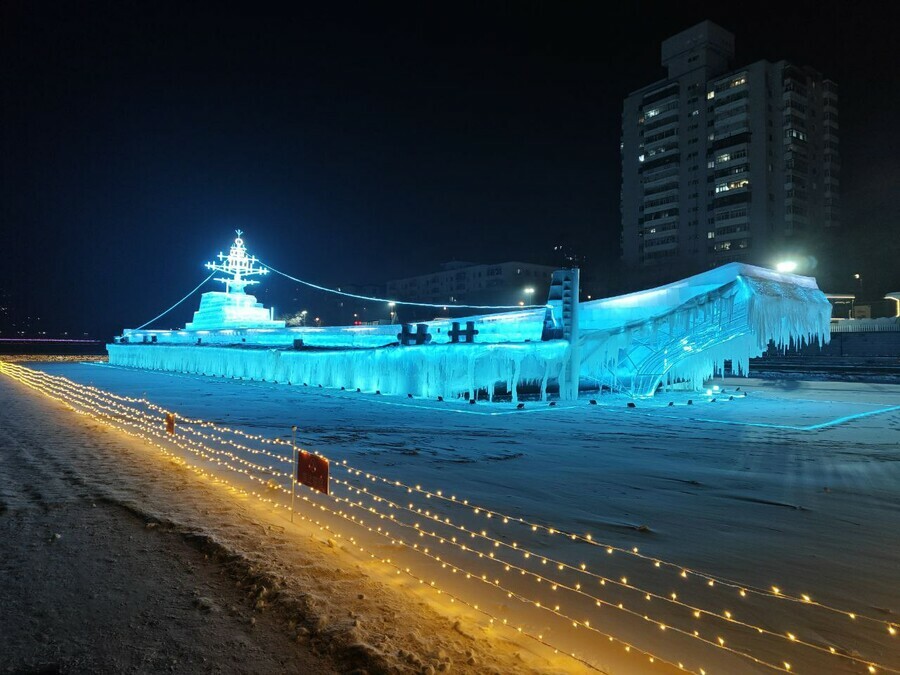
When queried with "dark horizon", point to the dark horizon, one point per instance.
{"points": [[358, 143]]}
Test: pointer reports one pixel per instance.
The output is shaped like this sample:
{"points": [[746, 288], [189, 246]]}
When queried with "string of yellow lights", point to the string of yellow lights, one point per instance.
{"points": [[205, 455], [683, 571], [696, 612], [139, 417], [555, 585], [103, 419], [109, 415], [657, 562], [775, 591], [234, 456]]}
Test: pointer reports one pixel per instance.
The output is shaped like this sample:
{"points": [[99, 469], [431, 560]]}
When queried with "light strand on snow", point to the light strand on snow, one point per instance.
{"points": [[155, 420], [556, 609], [324, 527], [586, 623], [482, 578], [268, 469], [351, 504], [159, 316], [483, 534], [697, 612], [399, 302], [107, 420], [142, 418], [204, 453], [683, 571], [156, 431]]}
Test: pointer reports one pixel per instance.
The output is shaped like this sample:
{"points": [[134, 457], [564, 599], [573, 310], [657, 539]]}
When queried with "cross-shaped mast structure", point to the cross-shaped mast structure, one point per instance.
{"points": [[237, 264]]}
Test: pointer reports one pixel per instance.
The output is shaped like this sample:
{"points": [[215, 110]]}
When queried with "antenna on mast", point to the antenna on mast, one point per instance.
{"points": [[238, 265]]}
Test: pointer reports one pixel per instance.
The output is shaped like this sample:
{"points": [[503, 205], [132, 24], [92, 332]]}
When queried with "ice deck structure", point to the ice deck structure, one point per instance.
{"points": [[675, 335]]}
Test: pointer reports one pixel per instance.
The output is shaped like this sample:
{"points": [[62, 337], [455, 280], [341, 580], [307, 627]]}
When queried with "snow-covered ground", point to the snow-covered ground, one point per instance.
{"points": [[795, 486]]}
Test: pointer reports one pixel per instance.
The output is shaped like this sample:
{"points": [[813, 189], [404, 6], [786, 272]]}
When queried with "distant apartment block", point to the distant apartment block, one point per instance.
{"points": [[508, 283], [722, 165]]}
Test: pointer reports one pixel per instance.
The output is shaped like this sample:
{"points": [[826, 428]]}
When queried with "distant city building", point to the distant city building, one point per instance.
{"points": [[722, 165], [307, 307], [508, 283]]}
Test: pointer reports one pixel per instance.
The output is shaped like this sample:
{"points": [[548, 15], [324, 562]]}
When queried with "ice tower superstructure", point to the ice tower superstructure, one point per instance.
{"points": [[233, 308], [680, 334]]}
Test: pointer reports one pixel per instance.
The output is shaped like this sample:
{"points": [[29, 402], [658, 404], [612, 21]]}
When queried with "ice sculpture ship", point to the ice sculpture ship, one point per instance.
{"points": [[680, 334]]}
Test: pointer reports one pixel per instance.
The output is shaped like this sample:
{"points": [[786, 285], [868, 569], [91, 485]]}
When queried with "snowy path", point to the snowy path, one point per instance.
{"points": [[794, 486]]}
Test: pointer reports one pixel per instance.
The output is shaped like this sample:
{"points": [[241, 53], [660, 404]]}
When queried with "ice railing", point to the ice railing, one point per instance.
{"points": [[565, 584]]}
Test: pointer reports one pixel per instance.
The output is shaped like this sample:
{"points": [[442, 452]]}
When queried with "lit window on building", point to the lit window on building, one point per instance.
{"points": [[732, 185]]}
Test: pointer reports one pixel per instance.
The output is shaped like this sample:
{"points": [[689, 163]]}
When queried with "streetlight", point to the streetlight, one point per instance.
{"points": [[786, 266]]}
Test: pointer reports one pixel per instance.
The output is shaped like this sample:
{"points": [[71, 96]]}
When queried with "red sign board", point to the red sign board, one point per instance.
{"points": [[312, 470]]}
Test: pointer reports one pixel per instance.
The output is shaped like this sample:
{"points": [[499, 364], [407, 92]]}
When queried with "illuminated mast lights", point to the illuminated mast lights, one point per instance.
{"points": [[237, 264], [233, 308]]}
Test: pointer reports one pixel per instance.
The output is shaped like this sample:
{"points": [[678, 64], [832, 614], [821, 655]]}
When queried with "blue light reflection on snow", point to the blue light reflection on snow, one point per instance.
{"points": [[647, 408]]}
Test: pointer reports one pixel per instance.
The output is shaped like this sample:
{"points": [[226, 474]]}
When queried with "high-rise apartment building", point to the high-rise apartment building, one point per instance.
{"points": [[722, 165]]}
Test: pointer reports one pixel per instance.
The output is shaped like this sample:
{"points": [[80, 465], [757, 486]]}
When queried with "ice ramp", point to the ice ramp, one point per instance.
{"points": [[683, 333]]}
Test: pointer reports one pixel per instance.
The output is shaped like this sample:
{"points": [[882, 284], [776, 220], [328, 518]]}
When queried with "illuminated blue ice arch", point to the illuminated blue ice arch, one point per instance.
{"points": [[677, 335]]}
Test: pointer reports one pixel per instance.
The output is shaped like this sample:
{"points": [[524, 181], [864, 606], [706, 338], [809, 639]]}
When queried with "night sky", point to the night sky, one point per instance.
{"points": [[355, 143]]}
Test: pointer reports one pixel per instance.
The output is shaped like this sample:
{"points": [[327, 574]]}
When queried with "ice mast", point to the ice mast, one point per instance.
{"points": [[233, 309], [237, 264]]}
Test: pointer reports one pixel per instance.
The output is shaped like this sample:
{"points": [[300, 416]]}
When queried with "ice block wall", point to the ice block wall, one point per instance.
{"points": [[427, 371]]}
